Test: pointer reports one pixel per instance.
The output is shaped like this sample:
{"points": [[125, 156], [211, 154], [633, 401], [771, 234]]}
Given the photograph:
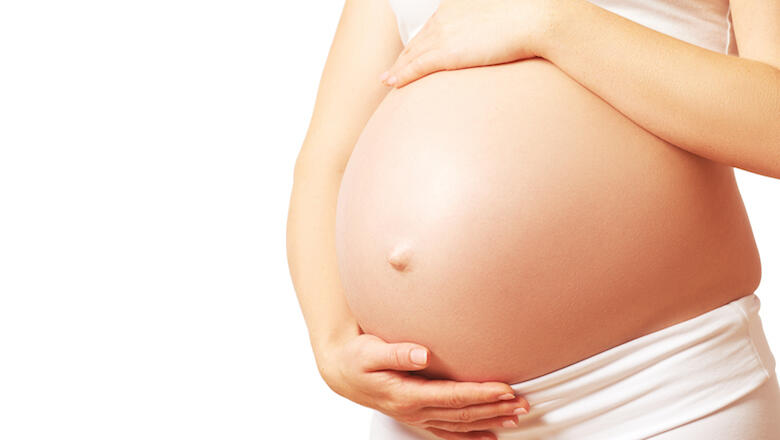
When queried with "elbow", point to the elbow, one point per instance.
{"points": [[771, 158], [767, 164], [755, 149]]}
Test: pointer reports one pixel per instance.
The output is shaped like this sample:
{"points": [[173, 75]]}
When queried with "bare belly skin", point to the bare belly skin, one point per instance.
{"points": [[515, 223]]}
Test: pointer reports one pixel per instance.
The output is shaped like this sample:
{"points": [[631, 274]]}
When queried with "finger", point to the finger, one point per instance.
{"points": [[424, 64], [419, 45], [473, 413], [452, 394], [416, 46], [404, 356], [447, 435], [494, 422]]}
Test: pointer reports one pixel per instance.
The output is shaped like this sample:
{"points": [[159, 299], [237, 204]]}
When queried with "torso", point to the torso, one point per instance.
{"points": [[515, 223]]}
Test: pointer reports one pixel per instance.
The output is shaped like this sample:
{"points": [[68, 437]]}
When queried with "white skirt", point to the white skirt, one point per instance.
{"points": [[710, 377]]}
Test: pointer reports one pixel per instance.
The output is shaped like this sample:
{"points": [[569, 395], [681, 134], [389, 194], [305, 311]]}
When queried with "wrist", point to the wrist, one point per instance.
{"points": [[324, 340], [329, 359], [325, 343]]}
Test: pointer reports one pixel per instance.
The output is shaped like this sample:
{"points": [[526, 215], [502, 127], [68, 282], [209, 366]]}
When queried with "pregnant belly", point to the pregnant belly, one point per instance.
{"points": [[513, 222]]}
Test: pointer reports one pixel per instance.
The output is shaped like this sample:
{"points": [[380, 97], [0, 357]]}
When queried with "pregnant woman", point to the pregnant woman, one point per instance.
{"points": [[535, 231]]}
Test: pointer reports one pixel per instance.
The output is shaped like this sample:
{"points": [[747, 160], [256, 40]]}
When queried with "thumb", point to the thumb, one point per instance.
{"points": [[403, 356]]}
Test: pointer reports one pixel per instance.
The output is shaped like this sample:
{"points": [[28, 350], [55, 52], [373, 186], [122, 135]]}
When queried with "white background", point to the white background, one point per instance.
{"points": [[146, 155]]}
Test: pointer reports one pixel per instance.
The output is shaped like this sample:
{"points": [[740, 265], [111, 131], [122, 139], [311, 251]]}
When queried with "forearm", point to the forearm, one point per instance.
{"points": [[311, 254], [720, 107]]}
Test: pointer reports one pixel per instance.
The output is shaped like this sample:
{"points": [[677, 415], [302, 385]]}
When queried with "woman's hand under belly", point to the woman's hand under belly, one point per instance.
{"points": [[514, 223]]}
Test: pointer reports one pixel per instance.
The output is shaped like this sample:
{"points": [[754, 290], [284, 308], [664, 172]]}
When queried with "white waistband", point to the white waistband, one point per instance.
{"points": [[652, 383]]}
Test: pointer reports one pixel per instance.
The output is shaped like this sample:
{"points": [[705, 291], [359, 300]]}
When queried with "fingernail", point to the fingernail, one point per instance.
{"points": [[520, 410], [507, 396], [510, 424], [384, 76], [419, 356], [392, 80]]}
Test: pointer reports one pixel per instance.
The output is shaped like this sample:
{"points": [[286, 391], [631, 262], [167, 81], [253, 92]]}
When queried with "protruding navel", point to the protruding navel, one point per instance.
{"points": [[399, 257]]}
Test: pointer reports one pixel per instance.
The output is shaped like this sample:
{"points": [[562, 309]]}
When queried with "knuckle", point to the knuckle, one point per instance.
{"points": [[452, 53], [393, 358], [463, 415], [416, 65], [400, 406], [454, 401], [404, 407], [391, 407]]}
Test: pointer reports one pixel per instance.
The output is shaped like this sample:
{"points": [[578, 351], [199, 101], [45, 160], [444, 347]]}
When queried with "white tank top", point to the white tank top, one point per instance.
{"points": [[705, 23]]}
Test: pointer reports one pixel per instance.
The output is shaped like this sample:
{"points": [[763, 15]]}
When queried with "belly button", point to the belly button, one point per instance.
{"points": [[399, 257]]}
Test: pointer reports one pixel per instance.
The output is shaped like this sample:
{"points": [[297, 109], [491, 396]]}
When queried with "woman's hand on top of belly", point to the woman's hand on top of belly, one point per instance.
{"points": [[376, 374], [463, 33]]}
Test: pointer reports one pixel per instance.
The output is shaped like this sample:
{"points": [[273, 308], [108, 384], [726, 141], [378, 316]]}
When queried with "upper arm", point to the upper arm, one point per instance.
{"points": [[757, 28], [366, 43]]}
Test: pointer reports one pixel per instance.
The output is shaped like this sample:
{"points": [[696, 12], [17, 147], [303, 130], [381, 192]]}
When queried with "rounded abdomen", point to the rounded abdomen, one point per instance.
{"points": [[514, 223]]}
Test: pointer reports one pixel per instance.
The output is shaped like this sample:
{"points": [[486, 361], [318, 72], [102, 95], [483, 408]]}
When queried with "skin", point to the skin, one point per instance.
{"points": [[514, 223], [725, 108], [358, 366], [330, 329]]}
